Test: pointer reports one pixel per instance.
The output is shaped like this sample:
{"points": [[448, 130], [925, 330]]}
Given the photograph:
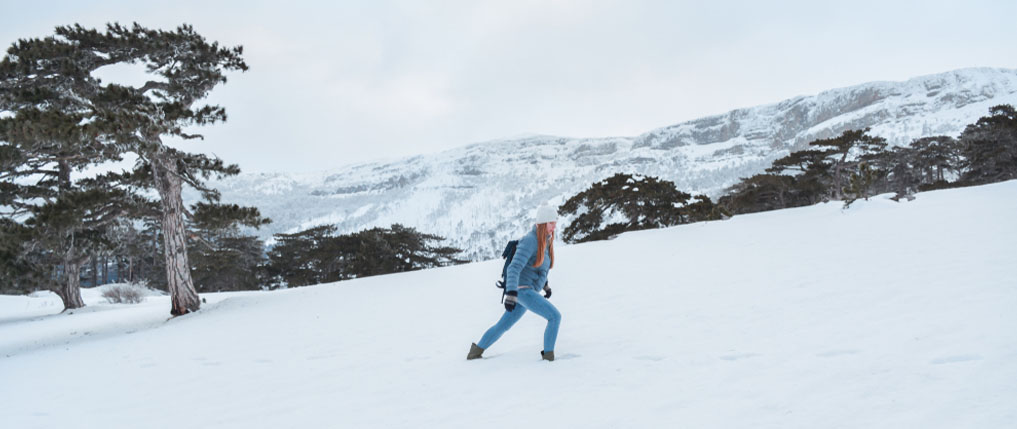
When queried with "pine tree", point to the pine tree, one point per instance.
{"points": [[222, 257], [809, 184], [17, 273], [184, 68], [703, 209], [989, 147], [831, 162], [902, 175], [318, 255], [624, 202], [935, 157], [859, 184], [761, 192], [305, 258], [393, 250], [49, 130]]}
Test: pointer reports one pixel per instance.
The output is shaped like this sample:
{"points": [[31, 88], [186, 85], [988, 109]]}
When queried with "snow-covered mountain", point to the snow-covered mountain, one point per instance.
{"points": [[481, 195], [886, 315]]}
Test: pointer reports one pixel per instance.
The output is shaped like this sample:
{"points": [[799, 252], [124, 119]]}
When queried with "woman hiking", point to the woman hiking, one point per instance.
{"points": [[526, 274]]}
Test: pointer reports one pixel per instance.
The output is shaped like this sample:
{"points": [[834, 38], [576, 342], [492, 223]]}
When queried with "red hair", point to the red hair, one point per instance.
{"points": [[541, 243]]}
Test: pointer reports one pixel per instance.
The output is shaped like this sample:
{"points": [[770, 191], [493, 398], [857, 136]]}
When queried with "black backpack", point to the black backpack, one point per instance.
{"points": [[507, 254]]}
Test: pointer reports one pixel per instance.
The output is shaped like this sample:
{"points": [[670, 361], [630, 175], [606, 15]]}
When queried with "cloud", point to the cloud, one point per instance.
{"points": [[338, 82]]}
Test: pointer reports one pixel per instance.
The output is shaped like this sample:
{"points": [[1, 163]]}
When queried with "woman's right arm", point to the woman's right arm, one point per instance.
{"points": [[524, 251]]}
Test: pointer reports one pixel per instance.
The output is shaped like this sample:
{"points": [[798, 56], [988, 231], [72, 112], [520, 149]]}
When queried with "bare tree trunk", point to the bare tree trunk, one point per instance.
{"points": [[95, 271], [105, 269], [69, 290], [178, 271]]}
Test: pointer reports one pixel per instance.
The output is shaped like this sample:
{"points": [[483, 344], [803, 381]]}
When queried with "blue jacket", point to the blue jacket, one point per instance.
{"points": [[521, 271]]}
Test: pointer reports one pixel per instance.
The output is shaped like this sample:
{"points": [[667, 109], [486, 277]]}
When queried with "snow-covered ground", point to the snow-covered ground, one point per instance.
{"points": [[885, 315]]}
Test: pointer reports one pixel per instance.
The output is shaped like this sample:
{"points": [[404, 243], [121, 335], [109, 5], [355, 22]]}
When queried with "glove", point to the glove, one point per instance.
{"points": [[547, 291], [510, 300]]}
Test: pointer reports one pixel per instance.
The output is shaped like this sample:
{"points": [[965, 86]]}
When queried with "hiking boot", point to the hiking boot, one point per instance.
{"points": [[475, 352], [548, 356]]}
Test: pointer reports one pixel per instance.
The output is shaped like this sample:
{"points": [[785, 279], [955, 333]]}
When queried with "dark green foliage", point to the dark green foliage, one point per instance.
{"points": [[227, 263], [393, 250], [764, 192], [935, 157], [222, 257], [845, 156], [989, 147], [855, 165], [209, 216], [809, 184], [317, 255], [902, 176], [702, 208], [824, 172], [305, 258], [860, 184], [626, 202], [17, 272], [47, 134]]}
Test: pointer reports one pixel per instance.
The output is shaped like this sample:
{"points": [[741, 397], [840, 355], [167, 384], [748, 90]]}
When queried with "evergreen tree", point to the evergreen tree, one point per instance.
{"points": [[17, 273], [47, 131], [846, 154], [70, 229], [393, 250], [860, 184], [989, 147], [832, 162], [626, 202], [761, 192], [184, 68], [222, 257], [809, 185], [935, 157], [703, 209], [305, 258], [903, 177], [317, 255]]}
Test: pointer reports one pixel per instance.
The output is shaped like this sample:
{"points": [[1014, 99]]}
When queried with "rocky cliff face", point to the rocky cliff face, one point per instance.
{"points": [[481, 195]]}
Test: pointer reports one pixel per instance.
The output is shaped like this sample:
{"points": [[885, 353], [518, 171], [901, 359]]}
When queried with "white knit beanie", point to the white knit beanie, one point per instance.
{"points": [[546, 214]]}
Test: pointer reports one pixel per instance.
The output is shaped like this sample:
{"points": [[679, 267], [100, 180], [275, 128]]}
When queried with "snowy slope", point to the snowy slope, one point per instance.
{"points": [[477, 195], [886, 315]]}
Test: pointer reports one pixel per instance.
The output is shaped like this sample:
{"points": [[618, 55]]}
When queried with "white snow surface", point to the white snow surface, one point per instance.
{"points": [[477, 196], [884, 315]]}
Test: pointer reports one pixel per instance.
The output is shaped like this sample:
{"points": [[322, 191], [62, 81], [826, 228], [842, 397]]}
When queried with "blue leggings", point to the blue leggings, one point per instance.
{"points": [[535, 302]]}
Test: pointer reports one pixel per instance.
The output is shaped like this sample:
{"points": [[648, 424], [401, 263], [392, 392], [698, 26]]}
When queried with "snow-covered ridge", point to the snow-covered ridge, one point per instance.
{"points": [[483, 194]]}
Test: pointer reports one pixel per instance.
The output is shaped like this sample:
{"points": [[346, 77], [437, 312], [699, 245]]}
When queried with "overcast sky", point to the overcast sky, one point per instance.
{"points": [[334, 83]]}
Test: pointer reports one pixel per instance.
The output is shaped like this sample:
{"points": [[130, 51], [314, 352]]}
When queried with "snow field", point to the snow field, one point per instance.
{"points": [[883, 315]]}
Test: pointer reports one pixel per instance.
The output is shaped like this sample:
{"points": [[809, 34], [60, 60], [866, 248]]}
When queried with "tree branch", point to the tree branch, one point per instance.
{"points": [[107, 219], [150, 85]]}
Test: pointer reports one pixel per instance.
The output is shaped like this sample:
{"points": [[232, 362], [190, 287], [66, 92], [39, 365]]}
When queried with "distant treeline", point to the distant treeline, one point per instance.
{"points": [[223, 258], [852, 166]]}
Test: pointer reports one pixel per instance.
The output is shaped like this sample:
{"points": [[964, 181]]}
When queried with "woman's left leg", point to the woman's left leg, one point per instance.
{"points": [[536, 303], [508, 319]]}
